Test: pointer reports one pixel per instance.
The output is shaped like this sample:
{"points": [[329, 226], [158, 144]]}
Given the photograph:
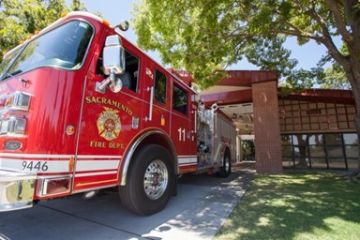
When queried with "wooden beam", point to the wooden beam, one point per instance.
{"points": [[226, 98]]}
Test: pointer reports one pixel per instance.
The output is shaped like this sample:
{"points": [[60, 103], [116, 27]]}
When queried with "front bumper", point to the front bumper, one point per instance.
{"points": [[16, 190]]}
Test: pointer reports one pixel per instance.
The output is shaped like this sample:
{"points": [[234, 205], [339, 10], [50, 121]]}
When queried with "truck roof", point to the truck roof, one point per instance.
{"points": [[103, 21]]}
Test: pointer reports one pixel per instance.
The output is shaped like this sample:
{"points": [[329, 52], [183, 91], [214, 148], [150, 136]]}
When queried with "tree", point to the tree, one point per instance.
{"points": [[22, 18], [205, 36], [334, 77], [77, 5]]}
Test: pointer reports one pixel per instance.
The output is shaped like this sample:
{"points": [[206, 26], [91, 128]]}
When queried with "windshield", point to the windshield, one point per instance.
{"points": [[7, 61], [63, 47]]}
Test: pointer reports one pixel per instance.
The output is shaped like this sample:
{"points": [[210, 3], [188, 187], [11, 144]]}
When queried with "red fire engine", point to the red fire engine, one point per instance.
{"points": [[83, 109]]}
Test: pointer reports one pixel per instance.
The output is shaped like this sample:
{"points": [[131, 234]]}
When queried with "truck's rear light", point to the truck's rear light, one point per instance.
{"points": [[55, 186], [18, 101], [13, 126]]}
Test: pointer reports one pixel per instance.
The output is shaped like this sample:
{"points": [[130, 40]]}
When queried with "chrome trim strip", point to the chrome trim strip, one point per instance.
{"points": [[151, 103], [57, 156], [44, 186], [187, 160], [188, 164], [53, 176]]}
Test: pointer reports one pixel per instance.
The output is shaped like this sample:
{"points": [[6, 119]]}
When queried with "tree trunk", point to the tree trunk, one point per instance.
{"points": [[354, 78], [357, 100], [302, 144]]}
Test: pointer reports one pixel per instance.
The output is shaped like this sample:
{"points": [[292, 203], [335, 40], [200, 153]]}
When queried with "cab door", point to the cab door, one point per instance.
{"points": [[158, 111], [109, 121]]}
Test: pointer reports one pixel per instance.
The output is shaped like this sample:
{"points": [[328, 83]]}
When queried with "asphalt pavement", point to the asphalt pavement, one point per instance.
{"points": [[197, 212]]}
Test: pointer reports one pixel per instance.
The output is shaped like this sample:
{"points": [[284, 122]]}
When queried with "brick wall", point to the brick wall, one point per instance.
{"points": [[267, 127]]}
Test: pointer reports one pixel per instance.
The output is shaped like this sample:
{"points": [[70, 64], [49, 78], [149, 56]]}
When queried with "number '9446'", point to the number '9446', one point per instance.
{"points": [[35, 166]]}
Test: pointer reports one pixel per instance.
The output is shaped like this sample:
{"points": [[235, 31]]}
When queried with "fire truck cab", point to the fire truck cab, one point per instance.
{"points": [[83, 109]]}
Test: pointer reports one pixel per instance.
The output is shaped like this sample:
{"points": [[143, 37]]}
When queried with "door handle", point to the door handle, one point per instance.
{"points": [[151, 103]]}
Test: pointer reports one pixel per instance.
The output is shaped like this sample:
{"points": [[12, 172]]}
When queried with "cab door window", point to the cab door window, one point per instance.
{"points": [[180, 100], [130, 77], [160, 87]]}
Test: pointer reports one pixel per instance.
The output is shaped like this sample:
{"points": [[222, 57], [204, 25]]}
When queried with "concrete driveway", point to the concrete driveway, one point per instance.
{"points": [[202, 205]]}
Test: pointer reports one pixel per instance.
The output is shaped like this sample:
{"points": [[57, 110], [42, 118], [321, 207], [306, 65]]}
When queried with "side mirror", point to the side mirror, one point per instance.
{"points": [[113, 56], [113, 64], [123, 26]]}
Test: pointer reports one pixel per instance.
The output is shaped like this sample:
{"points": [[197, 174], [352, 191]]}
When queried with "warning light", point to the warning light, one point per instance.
{"points": [[162, 121], [106, 22]]}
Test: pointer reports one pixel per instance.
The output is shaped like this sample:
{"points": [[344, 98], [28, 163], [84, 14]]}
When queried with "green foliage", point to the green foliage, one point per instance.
{"points": [[77, 5], [335, 77], [22, 18], [302, 79], [177, 33], [247, 150], [204, 37], [269, 54]]}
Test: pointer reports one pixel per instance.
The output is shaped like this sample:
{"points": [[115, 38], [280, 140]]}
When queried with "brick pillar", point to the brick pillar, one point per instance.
{"points": [[267, 127]]}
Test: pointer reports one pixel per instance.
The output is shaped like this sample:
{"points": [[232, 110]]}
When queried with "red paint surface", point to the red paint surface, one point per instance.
{"points": [[59, 96]]}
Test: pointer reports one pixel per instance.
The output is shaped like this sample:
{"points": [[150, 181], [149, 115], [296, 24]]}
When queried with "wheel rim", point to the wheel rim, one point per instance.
{"points": [[156, 179], [227, 164]]}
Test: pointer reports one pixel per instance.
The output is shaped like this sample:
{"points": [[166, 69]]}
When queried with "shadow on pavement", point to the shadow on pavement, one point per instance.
{"points": [[197, 212]]}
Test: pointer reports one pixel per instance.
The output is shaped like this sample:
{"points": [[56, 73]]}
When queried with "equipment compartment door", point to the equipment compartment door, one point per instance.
{"points": [[182, 128]]}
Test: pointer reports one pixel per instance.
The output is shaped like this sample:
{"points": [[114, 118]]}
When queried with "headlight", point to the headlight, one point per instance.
{"points": [[18, 101], [12, 126]]}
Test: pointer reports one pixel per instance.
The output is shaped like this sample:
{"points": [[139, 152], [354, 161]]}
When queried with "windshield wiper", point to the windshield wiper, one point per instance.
{"points": [[13, 74]]}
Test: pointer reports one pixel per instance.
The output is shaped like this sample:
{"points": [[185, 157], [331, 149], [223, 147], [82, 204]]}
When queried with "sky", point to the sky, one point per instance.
{"points": [[116, 11]]}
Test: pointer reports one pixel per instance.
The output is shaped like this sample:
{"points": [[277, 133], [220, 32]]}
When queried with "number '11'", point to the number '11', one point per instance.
{"points": [[182, 133]]}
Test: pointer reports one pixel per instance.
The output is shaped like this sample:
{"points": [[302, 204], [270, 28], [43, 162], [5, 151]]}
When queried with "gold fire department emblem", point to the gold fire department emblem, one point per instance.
{"points": [[108, 124]]}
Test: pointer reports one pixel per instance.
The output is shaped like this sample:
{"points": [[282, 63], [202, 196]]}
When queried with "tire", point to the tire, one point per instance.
{"points": [[225, 170], [151, 181]]}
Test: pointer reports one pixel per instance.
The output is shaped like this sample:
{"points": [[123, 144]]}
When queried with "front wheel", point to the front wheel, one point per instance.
{"points": [[150, 181]]}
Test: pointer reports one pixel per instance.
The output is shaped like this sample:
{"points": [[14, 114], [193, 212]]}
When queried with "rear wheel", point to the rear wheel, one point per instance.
{"points": [[150, 182], [225, 169]]}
